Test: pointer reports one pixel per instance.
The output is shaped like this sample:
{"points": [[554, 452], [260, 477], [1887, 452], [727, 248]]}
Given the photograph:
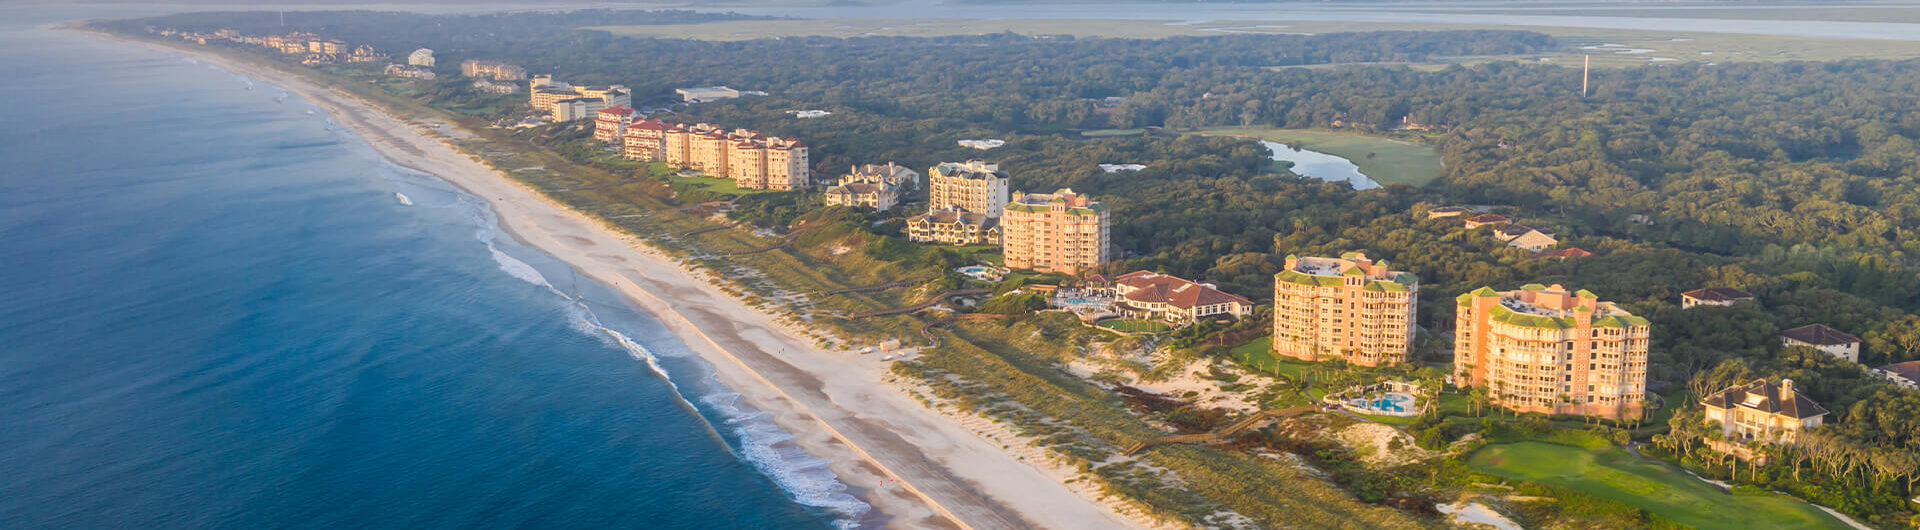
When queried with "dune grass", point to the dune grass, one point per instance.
{"points": [[1670, 493], [1385, 160]]}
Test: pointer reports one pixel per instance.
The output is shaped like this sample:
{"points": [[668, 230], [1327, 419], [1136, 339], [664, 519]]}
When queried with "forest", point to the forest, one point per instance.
{"points": [[1799, 182]]}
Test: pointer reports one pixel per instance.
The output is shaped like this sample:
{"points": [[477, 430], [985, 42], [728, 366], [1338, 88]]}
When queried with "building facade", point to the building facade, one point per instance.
{"points": [[579, 102], [894, 175], [1350, 308], [422, 58], [873, 194], [1543, 349], [1714, 296], [1762, 412], [643, 139], [953, 227], [752, 160], [1062, 232], [1145, 294], [610, 124], [974, 186], [495, 70]]}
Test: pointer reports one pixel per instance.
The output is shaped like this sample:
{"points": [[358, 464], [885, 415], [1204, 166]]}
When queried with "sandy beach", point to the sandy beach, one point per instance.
{"points": [[916, 467]]}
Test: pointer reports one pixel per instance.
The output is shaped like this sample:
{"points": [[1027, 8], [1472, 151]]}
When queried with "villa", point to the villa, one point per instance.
{"points": [[1716, 296], [1145, 294], [1906, 375], [1350, 307], [1760, 412], [1545, 349], [1525, 237], [1487, 220], [877, 195], [1826, 339], [953, 227]]}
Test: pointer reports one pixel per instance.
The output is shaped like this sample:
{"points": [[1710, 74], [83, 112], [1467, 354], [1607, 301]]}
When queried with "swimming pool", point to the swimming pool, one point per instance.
{"points": [[1389, 403]]}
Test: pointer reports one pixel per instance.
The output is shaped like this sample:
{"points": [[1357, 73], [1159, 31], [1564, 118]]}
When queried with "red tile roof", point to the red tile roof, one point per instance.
{"points": [[1571, 252], [1151, 287], [1819, 335]]}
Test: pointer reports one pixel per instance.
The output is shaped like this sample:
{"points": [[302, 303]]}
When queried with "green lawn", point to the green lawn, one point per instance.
{"points": [[1614, 474], [1097, 133], [1392, 161], [1135, 326], [716, 185]]}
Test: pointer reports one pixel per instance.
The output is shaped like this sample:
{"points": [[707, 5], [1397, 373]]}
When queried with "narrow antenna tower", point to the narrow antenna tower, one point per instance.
{"points": [[1586, 72], [283, 18]]}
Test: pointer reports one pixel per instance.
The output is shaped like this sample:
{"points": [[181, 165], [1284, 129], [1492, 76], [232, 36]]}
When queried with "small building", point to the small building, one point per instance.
{"points": [[1719, 296], [491, 87], [422, 58], [1570, 252], [1906, 375], [954, 226], [1145, 294], [1446, 211], [877, 195], [1824, 338], [1760, 412], [705, 94], [1487, 219], [409, 71], [893, 174], [1525, 237]]}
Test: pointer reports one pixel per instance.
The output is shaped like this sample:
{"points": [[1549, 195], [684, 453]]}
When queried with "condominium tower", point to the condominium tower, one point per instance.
{"points": [[973, 186], [1543, 349], [1350, 308], [753, 160], [1062, 232]]}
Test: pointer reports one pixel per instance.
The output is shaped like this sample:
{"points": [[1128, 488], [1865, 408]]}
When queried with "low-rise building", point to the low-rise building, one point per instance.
{"points": [[1906, 375], [422, 58], [1826, 339], [1565, 253], [1716, 296], [492, 87], [365, 54], [1544, 349], [1351, 308], [704, 94], [894, 175], [1525, 237], [1487, 219], [1446, 211], [409, 71], [1062, 232], [495, 70], [1145, 294], [953, 226], [1761, 412], [873, 194]]}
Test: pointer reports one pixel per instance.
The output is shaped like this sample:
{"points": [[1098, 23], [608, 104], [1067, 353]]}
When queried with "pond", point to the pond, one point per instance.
{"points": [[1315, 164]]}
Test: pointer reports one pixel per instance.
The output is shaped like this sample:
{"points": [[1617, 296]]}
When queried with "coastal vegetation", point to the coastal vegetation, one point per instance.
{"points": [[1794, 181]]}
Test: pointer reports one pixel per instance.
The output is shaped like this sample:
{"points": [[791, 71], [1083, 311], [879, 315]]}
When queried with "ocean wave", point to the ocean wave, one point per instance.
{"points": [[771, 449]]}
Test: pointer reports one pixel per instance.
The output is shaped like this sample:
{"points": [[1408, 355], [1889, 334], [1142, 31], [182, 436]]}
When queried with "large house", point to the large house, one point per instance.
{"points": [[1486, 219], [1525, 237], [1350, 307], [1062, 232], [953, 226], [893, 174], [1760, 412], [1544, 349], [874, 194], [1718, 296], [1826, 339], [1906, 374], [1146, 294]]}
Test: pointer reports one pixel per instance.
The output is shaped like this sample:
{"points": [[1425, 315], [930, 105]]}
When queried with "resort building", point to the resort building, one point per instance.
{"points": [[1350, 307], [1543, 349], [1826, 339], [704, 94], [953, 227], [365, 54], [1760, 412], [973, 186], [873, 194], [409, 71], [1062, 232], [1487, 220], [894, 175], [1719, 296], [422, 58], [567, 102], [1144, 294], [610, 124], [753, 160], [491, 87], [643, 141], [495, 70], [1525, 237]]}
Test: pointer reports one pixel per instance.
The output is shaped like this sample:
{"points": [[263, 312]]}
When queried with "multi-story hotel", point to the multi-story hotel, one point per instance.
{"points": [[643, 139], [1350, 307], [567, 102], [495, 70], [610, 124], [1543, 349], [973, 186], [752, 160], [953, 227], [1062, 232]]}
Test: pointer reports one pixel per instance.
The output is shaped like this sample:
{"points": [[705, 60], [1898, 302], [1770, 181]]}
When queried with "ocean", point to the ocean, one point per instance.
{"points": [[222, 311]]}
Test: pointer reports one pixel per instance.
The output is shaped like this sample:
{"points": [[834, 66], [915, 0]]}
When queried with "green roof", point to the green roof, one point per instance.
{"points": [[1291, 276], [1353, 271], [1373, 286], [1391, 286], [1500, 313], [1486, 292], [1533, 287], [1583, 293]]}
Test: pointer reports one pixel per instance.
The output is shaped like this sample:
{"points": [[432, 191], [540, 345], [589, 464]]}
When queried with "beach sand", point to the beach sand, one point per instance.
{"points": [[916, 467]]}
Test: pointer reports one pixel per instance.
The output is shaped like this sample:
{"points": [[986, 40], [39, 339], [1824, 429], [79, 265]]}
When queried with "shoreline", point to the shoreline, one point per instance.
{"points": [[916, 467]]}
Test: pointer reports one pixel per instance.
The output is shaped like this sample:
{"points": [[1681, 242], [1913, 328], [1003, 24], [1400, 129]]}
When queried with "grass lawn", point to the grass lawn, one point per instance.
{"points": [[716, 185], [1614, 474], [1112, 132], [1393, 161], [1135, 326]]}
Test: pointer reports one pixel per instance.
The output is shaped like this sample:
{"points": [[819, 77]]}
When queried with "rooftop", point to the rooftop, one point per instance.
{"points": [[1820, 335], [1767, 397], [1718, 294]]}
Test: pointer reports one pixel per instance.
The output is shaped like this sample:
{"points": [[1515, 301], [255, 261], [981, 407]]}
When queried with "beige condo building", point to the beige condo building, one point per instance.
{"points": [[567, 102], [495, 70], [1544, 349], [1350, 307], [974, 186], [1062, 232], [752, 160]]}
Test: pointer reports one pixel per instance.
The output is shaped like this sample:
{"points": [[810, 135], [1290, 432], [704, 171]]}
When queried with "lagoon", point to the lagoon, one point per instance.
{"points": [[1314, 164]]}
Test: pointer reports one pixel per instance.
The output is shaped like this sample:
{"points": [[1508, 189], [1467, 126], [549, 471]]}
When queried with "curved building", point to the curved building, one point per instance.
{"points": [[1543, 349], [1350, 308]]}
